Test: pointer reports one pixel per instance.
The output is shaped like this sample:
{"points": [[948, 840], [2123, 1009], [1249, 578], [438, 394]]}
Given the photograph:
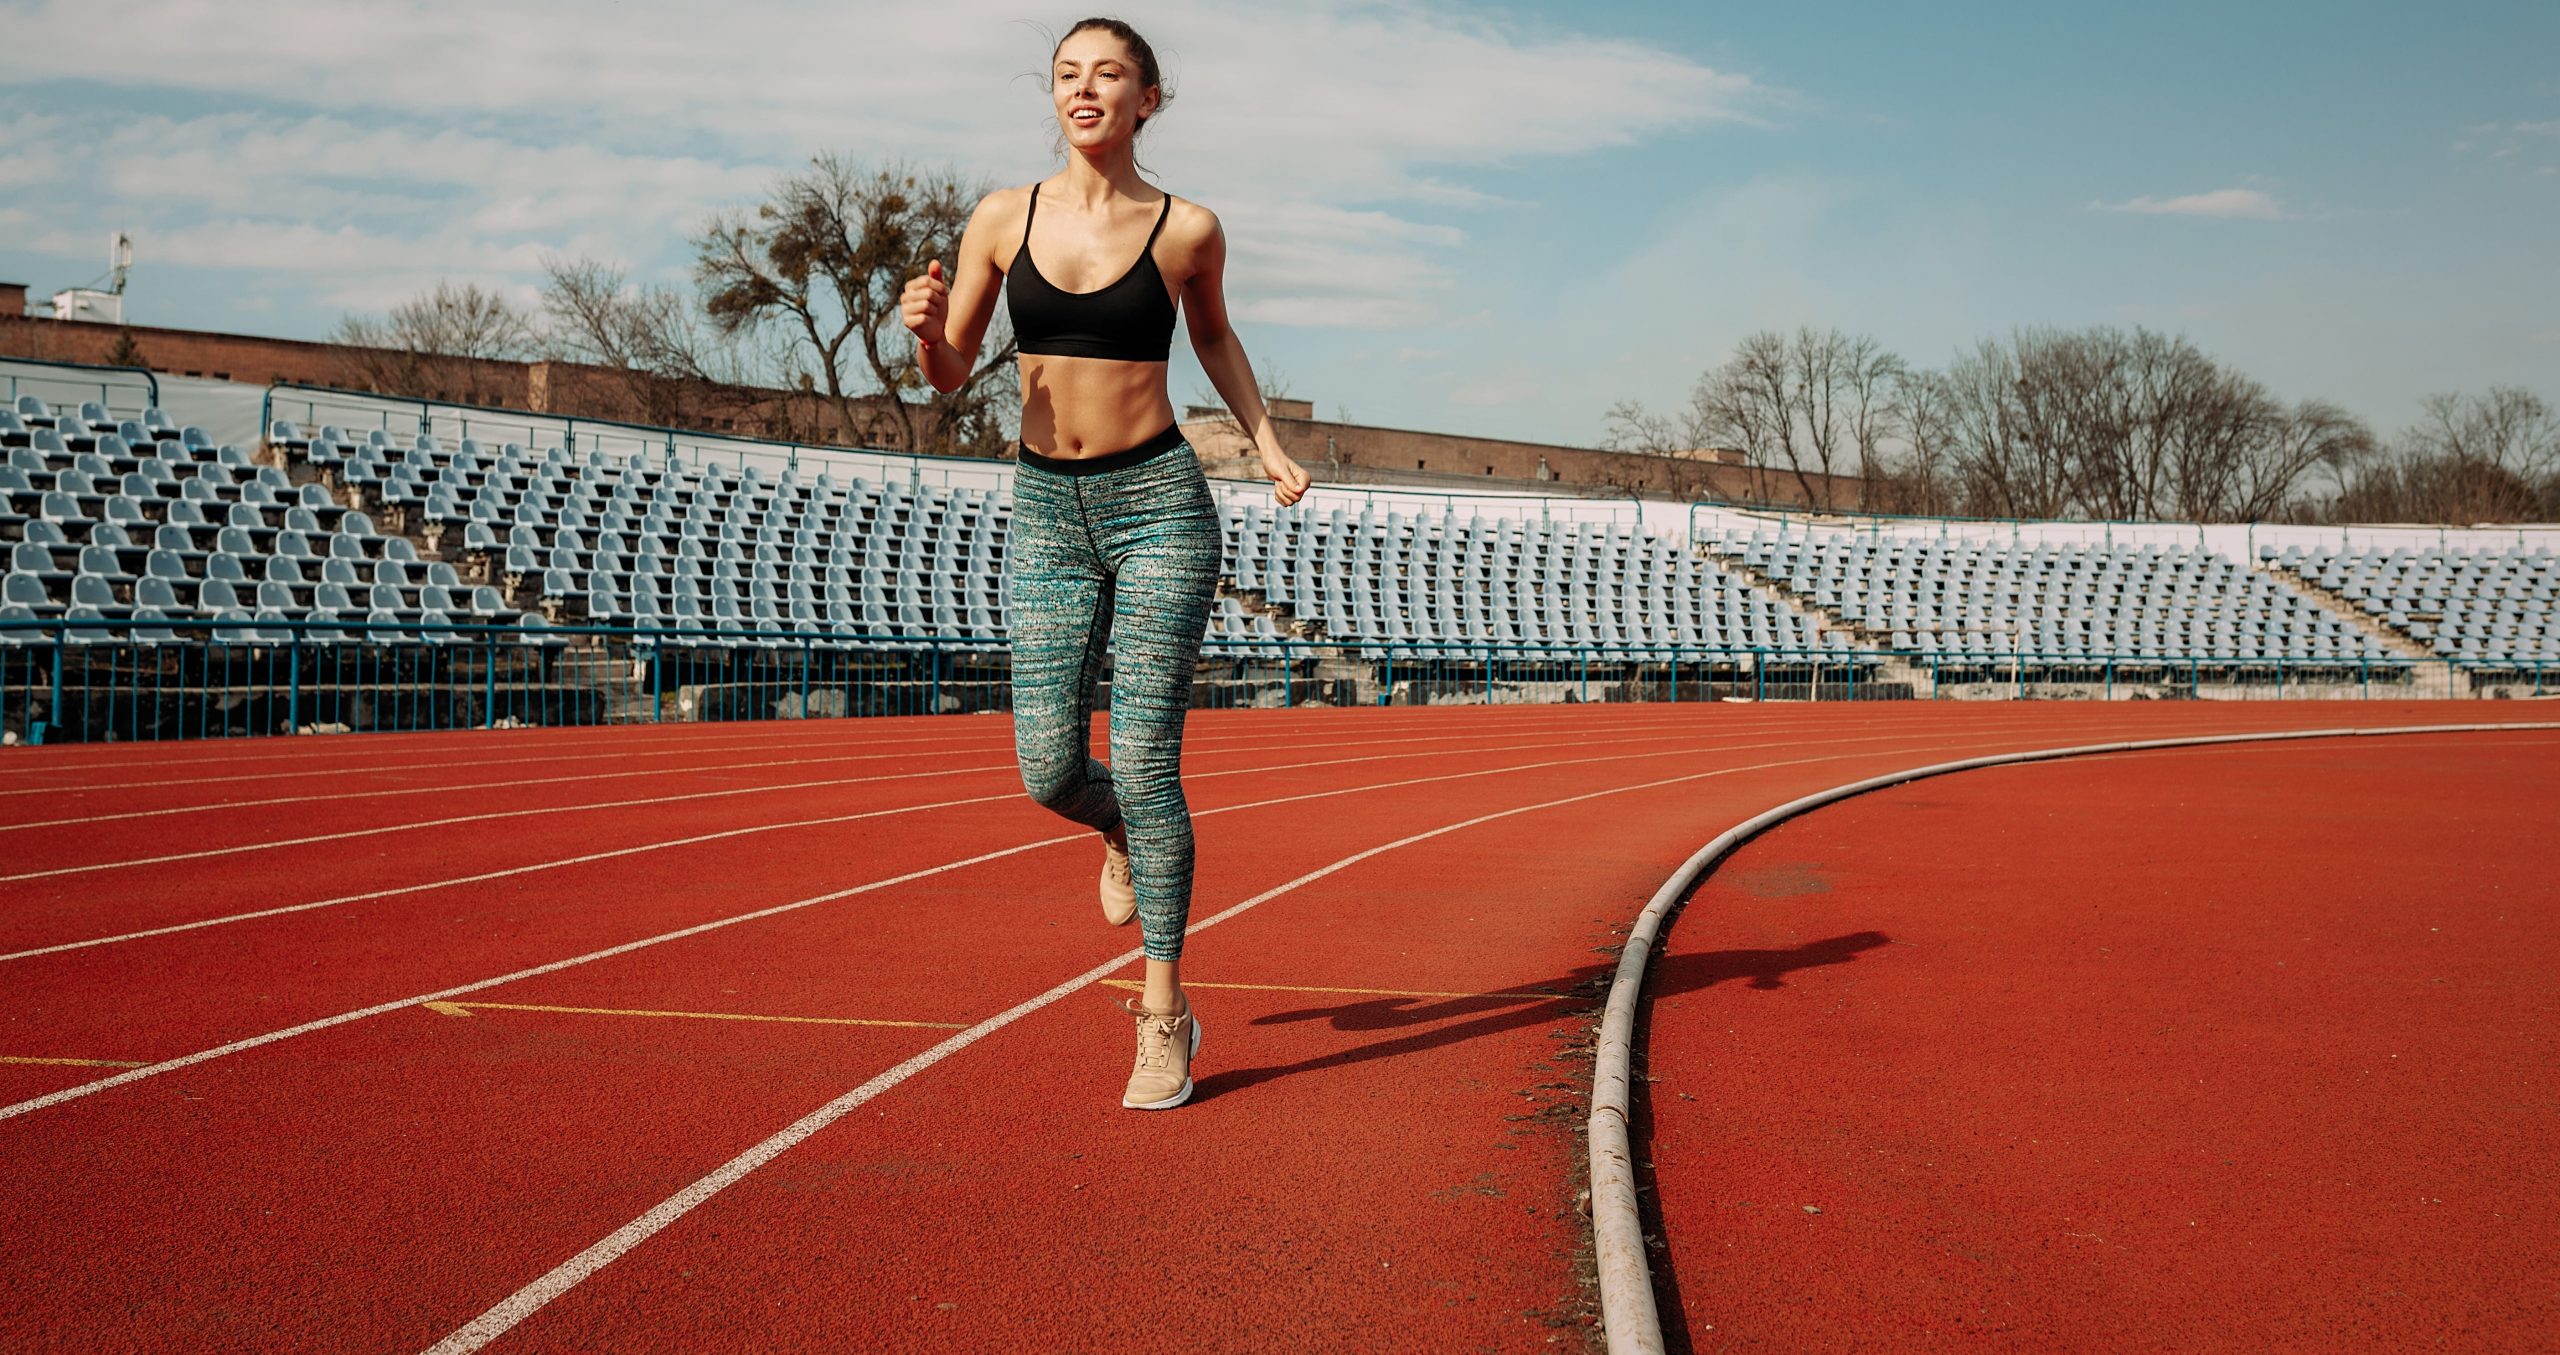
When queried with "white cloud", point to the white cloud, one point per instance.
{"points": [[27, 158], [2511, 141], [1322, 133], [2239, 203]]}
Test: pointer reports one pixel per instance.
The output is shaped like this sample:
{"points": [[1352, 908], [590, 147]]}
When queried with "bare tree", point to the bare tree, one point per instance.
{"points": [[1630, 427], [2510, 428], [1818, 405], [436, 345], [822, 260], [2102, 423], [2271, 477], [2001, 441], [2472, 458], [655, 345], [1743, 405], [1917, 474]]}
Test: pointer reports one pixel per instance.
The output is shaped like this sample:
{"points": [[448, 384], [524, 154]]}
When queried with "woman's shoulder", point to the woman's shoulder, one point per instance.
{"points": [[1187, 222], [996, 202]]}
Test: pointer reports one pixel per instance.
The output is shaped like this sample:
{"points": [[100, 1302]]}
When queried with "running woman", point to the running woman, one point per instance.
{"points": [[1115, 537]]}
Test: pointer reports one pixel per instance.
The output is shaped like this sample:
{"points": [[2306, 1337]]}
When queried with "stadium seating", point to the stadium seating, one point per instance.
{"points": [[138, 522], [2485, 609], [1928, 596], [134, 524], [1382, 583]]}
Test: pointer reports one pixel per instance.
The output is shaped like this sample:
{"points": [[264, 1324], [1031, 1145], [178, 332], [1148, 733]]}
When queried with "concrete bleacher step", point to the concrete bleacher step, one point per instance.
{"points": [[1890, 666], [1309, 634], [2454, 682]]}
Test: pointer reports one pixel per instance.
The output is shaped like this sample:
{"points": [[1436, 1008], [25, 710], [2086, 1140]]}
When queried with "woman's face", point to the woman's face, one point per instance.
{"points": [[1099, 89]]}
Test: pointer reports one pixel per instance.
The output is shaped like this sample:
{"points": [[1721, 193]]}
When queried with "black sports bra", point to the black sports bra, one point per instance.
{"points": [[1129, 321]]}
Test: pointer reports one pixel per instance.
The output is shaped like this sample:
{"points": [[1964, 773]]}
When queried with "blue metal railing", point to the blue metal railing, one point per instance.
{"points": [[91, 680], [1795, 521], [100, 384], [310, 407]]}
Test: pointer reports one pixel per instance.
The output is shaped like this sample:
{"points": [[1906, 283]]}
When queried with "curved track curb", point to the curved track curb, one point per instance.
{"points": [[1627, 1313]]}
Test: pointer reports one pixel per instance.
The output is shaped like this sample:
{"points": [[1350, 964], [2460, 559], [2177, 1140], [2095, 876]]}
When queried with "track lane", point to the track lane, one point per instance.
{"points": [[117, 764], [82, 1001], [305, 966], [68, 853], [61, 912], [373, 1101], [100, 845], [1073, 885], [2175, 1072], [1009, 1274], [847, 739]]}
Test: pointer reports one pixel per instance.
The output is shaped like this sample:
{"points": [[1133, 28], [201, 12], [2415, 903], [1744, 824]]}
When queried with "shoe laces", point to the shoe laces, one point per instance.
{"points": [[1155, 1034]]}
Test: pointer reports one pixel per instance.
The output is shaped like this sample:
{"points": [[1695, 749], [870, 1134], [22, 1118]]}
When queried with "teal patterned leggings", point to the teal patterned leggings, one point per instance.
{"points": [[1120, 551]]}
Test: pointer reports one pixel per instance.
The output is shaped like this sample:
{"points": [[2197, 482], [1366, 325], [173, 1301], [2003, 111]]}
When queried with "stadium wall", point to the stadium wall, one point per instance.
{"points": [[559, 388], [1439, 459]]}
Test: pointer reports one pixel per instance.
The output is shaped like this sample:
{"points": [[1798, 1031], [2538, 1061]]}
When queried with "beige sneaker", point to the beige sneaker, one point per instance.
{"points": [[1166, 1044], [1119, 897]]}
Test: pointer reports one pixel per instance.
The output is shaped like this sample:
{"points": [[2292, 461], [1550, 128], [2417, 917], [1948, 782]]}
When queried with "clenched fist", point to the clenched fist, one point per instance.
{"points": [[1288, 478], [922, 305]]}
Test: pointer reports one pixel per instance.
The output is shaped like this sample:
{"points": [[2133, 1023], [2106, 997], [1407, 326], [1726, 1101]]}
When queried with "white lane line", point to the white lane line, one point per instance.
{"points": [[753, 829], [326, 1022], [444, 994], [731, 792], [529, 812], [584, 749], [525, 1302], [902, 810], [477, 787], [379, 758], [449, 788], [2471, 738]]}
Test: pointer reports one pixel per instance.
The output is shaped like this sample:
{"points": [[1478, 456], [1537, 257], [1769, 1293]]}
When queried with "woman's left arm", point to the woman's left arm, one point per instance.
{"points": [[1204, 307]]}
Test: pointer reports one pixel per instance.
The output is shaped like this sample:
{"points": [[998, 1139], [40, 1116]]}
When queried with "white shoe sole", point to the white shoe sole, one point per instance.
{"points": [[1178, 1097]]}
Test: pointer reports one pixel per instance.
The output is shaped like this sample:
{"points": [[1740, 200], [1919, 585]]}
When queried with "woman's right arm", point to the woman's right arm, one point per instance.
{"points": [[949, 314]]}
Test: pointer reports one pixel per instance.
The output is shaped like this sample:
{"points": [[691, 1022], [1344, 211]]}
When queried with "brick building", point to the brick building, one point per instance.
{"points": [[1352, 452], [1337, 453], [562, 388]]}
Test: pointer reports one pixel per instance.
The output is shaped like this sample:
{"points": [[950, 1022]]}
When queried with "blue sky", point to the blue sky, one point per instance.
{"points": [[1495, 221]]}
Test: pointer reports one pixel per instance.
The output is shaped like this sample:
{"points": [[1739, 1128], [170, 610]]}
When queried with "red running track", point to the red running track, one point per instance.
{"points": [[1380, 1157], [2243, 1048]]}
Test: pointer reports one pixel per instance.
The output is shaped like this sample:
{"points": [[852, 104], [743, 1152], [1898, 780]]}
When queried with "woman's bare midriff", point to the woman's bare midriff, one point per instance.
{"points": [[1080, 407]]}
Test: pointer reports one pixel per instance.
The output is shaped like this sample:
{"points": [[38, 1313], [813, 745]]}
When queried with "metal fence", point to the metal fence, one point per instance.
{"points": [[359, 413], [64, 681], [125, 391]]}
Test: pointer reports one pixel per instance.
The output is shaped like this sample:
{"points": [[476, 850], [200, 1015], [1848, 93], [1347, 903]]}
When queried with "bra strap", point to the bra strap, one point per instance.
{"points": [[1159, 230]]}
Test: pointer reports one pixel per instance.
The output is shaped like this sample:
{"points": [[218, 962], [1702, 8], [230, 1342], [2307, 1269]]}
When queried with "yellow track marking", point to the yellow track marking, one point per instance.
{"points": [[1135, 986], [466, 1008], [73, 1063]]}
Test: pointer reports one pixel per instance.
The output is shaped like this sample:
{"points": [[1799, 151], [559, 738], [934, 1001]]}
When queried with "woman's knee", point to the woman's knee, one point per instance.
{"points": [[1150, 797], [1054, 781]]}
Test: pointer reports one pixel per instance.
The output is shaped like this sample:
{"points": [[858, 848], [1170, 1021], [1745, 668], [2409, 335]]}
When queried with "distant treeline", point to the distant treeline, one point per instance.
{"points": [[2101, 423]]}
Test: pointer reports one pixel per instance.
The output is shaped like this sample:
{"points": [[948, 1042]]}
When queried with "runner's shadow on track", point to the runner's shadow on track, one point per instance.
{"points": [[1450, 1020]]}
